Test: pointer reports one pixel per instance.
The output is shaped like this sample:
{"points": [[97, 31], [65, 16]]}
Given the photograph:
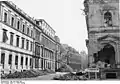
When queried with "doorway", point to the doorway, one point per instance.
{"points": [[107, 55]]}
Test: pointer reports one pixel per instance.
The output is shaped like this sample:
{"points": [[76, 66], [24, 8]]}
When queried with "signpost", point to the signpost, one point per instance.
{"points": [[92, 70]]}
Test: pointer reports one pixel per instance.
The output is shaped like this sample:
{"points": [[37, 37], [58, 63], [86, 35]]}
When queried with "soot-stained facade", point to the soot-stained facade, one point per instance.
{"points": [[103, 25]]}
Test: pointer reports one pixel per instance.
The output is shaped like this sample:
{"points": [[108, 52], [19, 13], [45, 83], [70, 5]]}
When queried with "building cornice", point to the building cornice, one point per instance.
{"points": [[46, 23], [19, 11], [22, 14], [105, 31]]}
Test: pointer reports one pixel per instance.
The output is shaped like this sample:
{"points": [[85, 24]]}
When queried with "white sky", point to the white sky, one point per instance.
{"points": [[64, 16]]}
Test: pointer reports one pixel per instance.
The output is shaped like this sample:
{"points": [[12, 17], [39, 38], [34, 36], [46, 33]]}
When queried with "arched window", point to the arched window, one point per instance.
{"points": [[108, 18]]}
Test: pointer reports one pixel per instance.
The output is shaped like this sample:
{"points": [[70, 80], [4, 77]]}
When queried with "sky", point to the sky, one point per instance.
{"points": [[64, 16]]}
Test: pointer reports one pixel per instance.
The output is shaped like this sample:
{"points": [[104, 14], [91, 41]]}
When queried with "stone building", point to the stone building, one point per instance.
{"points": [[25, 43], [16, 38], [37, 47], [48, 45], [103, 25], [58, 57]]}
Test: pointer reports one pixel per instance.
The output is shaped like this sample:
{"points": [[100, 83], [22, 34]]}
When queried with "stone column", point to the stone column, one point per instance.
{"points": [[46, 64], [43, 64], [29, 62], [40, 63], [0, 56], [6, 65], [1, 14], [118, 55], [19, 62], [13, 61], [24, 58], [9, 17]]}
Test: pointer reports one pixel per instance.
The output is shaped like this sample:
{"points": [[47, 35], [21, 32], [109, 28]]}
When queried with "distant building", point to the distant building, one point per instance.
{"points": [[48, 45], [102, 18], [58, 56]]}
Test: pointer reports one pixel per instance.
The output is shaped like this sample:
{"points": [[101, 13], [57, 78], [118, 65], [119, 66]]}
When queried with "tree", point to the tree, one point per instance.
{"points": [[84, 59]]}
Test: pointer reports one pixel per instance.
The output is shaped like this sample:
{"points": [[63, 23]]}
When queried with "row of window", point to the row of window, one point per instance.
{"points": [[46, 28], [16, 60], [18, 24], [22, 58], [48, 43], [28, 43], [37, 35], [48, 54]]}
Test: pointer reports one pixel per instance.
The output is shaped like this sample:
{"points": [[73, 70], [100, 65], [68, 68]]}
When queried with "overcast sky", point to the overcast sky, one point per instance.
{"points": [[64, 16]]}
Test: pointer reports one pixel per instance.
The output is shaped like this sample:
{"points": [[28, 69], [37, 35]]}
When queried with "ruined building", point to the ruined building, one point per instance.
{"points": [[103, 25]]}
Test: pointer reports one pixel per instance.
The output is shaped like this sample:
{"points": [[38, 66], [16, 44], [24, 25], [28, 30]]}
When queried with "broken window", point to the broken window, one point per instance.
{"points": [[108, 19]]}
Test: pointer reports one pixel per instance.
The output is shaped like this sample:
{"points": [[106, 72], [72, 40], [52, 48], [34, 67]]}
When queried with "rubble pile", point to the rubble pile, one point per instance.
{"points": [[49, 71], [26, 74], [70, 76], [65, 68]]}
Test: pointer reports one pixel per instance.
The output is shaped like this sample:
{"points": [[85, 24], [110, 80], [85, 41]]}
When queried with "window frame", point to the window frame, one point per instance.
{"points": [[31, 61], [31, 46], [28, 30], [2, 61], [11, 39], [22, 60], [4, 39], [17, 41], [109, 18], [10, 59], [31, 33], [23, 42], [26, 61], [23, 28], [18, 26], [5, 19], [12, 23], [27, 44], [16, 60]]}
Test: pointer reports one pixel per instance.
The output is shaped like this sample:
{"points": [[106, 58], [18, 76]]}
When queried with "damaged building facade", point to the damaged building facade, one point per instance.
{"points": [[103, 25]]}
